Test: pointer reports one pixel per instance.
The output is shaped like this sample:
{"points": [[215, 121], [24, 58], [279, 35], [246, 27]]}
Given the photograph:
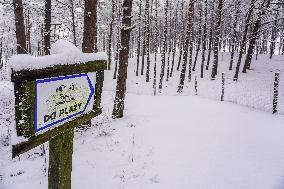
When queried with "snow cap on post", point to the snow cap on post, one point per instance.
{"points": [[62, 53]]}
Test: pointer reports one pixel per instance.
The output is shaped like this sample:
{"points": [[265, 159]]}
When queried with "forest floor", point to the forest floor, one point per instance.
{"points": [[166, 141]]}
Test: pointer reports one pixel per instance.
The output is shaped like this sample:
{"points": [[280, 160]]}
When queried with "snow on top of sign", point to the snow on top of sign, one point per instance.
{"points": [[62, 53]]}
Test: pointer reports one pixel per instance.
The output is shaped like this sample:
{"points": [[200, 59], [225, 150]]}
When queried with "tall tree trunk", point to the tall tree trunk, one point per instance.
{"points": [[204, 40], [175, 41], [72, 10], [163, 65], [95, 8], [139, 39], [123, 60], [237, 14], [89, 26], [199, 35], [47, 26], [148, 39], [117, 54], [210, 37], [243, 43], [144, 44], [188, 38], [20, 26], [156, 48], [181, 36], [110, 33], [170, 42], [217, 38], [263, 9], [274, 36]]}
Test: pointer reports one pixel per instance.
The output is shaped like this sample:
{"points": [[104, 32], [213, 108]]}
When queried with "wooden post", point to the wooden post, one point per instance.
{"points": [[195, 85], [60, 161], [223, 87], [275, 93]]}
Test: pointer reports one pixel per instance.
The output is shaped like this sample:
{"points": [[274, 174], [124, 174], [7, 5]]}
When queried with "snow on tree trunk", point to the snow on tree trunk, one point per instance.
{"points": [[187, 43], [234, 45], [111, 33], [263, 9], [163, 65], [243, 43], [204, 40], [123, 60], [217, 38]]}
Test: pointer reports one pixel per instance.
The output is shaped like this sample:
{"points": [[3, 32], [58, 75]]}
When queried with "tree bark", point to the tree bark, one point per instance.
{"points": [[234, 35], [163, 65], [20, 27], [89, 26], [204, 40], [111, 33], [72, 10], [123, 60], [47, 26], [148, 39], [243, 43], [264, 6], [217, 38], [188, 39], [139, 39], [199, 35]]}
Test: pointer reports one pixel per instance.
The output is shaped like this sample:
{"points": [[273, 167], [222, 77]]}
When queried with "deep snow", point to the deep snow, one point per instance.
{"points": [[169, 142]]}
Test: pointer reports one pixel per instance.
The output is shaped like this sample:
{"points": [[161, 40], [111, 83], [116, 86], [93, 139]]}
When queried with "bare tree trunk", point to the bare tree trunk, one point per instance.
{"points": [[182, 36], [156, 48], [1, 53], [117, 54], [28, 31], [199, 35], [47, 26], [110, 33], [123, 60], [175, 41], [243, 43], [148, 39], [237, 14], [264, 6], [20, 26], [95, 8], [89, 26], [164, 48], [210, 38], [274, 36], [139, 39], [72, 10], [187, 43], [204, 40], [217, 38], [144, 44], [170, 43]]}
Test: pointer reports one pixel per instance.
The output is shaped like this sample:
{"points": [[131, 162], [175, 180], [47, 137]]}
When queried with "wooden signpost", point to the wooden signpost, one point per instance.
{"points": [[50, 103]]}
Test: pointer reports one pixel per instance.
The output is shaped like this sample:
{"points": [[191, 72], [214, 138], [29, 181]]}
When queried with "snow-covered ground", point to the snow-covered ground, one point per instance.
{"points": [[167, 142], [171, 140]]}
